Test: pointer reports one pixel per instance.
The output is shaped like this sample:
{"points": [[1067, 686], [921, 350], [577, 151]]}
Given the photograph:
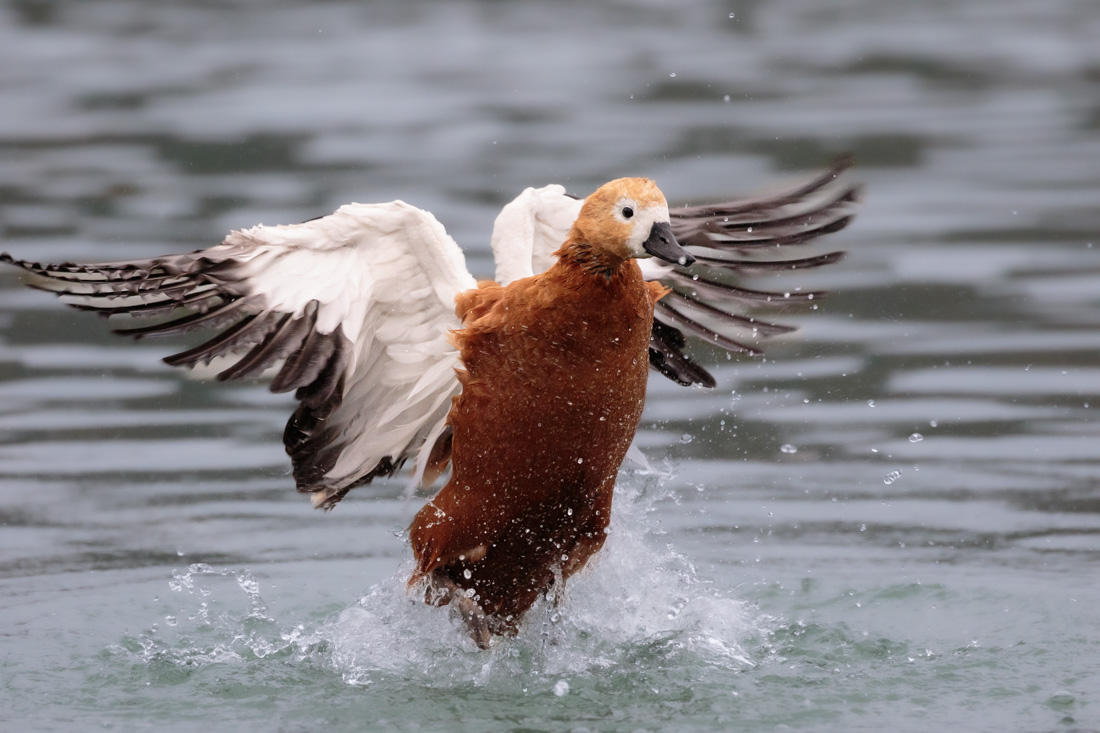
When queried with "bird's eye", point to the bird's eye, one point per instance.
{"points": [[627, 212]]}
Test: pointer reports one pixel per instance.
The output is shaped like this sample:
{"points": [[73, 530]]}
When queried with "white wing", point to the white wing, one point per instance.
{"points": [[530, 229], [355, 305], [740, 237]]}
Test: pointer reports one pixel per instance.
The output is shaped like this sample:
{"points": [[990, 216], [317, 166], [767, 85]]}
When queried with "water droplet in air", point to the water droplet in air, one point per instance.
{"points": [[561, 688], [467, 574], [726, 99], [916, 438], [891, 477], [687, 438], [931, 423], [731, 16], [580, 460], [787, 448], [863, 528], [870, 403], [672, 75], [170, 620], [248, 584]]}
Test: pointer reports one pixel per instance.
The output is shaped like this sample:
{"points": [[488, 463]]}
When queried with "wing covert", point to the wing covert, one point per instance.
{"points": [[351, 311]]}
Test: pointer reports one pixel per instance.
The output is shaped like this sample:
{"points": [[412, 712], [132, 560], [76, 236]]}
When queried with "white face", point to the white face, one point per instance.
{"points": [[641, 219]]}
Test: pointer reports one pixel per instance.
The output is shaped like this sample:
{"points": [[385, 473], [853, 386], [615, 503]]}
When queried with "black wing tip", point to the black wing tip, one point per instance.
{"points": [[680, 368], [667, 356], [842, 162], [385, 467], [826, 178], [750, 266]]}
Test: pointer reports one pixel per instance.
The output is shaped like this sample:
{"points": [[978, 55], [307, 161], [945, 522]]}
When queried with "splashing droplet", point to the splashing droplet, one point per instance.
{"points": [[916, 438]]}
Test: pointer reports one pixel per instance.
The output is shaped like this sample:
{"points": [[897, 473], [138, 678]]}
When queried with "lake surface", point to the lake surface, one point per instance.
{"points": [[891, 522]]}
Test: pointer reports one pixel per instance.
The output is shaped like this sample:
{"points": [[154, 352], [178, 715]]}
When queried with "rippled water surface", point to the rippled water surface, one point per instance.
{"points": [[890, 523]]}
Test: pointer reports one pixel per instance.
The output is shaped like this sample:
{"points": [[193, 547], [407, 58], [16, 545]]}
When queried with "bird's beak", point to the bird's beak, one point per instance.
{"points": [[663, 245]]}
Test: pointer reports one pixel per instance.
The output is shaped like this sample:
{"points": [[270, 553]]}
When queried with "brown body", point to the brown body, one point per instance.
{"points": [[553, 388]]}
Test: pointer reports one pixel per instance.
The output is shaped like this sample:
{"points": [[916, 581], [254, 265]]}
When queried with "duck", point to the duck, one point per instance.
{"points": [[553, 379], [528, 388]]}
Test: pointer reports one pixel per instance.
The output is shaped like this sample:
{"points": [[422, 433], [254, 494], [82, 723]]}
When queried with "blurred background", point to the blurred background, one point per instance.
{"points": [[891, 520]]}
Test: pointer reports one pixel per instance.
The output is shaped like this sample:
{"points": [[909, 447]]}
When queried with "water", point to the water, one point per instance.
{"points": [[801, 561]]}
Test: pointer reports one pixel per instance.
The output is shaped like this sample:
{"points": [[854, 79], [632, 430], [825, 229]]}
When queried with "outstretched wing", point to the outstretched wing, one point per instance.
{"points": [[352, 309], [741, 237]]}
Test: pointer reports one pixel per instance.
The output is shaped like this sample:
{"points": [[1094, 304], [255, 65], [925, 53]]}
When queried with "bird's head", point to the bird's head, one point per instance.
{"points": [[627, 218]]}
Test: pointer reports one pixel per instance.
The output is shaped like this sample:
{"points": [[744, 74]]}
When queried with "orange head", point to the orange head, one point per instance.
{"points": [[624, 219]]}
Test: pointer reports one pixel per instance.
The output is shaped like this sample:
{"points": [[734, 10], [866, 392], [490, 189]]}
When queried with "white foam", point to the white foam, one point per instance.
{"points": [[636, 597], [638, 602]]}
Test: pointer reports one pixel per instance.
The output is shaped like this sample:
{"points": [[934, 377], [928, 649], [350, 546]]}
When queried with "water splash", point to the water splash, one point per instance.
{"points": [[634, 605], [213, 624]]}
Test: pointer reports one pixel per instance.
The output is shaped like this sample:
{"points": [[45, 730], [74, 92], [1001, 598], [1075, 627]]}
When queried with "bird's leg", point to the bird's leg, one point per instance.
{"points": [[442, 590]]}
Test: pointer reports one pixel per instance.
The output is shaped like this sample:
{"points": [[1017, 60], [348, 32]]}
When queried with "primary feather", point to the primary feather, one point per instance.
{"points": [[744, 236]]}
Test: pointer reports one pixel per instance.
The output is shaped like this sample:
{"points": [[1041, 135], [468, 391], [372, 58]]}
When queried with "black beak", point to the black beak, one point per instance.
{"points": [[663, 245]]}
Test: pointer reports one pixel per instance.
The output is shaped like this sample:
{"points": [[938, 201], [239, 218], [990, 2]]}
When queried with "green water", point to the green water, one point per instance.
{"points": [[644, 641], [892, 522]]}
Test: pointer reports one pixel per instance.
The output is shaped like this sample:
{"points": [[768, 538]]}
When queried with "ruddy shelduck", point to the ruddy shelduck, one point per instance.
{"points": [[530, 388]]}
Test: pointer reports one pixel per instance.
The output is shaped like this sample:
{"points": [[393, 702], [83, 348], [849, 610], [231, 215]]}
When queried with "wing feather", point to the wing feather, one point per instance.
{"points": [[353, 308], [747, 236]]}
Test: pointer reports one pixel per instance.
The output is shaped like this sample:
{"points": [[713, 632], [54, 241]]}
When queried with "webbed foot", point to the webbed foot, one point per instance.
{"points": [[477, 623], [443, 591]]}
